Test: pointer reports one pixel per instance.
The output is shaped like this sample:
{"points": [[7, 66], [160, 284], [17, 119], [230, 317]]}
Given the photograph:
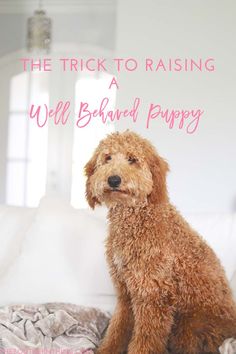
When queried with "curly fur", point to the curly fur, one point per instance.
{"points": [[172, 292]]}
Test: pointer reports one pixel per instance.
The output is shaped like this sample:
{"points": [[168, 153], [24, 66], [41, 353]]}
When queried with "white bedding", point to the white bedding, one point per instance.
{"points": [[56, 253]]}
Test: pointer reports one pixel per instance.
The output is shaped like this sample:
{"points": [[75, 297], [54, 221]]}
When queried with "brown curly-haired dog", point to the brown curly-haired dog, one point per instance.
{"points": [[172, 291]]}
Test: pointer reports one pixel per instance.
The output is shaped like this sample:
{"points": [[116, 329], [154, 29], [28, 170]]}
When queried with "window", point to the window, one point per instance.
{"points": [[50, 160], [92, 89], [27, 145]]}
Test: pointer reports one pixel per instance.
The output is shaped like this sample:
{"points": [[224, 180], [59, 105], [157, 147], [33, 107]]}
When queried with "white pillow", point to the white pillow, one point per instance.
{"points": [[233, 284], [14, 223], [62, 259], [219, 230]]}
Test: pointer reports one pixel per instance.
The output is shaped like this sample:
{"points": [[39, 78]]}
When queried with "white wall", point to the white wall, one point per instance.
{"points": [[203, 168]]}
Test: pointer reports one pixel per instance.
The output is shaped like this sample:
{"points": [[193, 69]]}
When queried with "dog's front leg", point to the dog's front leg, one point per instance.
{"points": [[119, 330], [152, 325]]}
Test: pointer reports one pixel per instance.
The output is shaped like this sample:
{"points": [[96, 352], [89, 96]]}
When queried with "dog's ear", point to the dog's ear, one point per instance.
{"points": [[159, 168], [89, 170]]}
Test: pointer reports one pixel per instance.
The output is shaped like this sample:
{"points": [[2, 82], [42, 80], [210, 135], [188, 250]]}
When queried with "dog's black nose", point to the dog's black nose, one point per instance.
{"points": [[114, 181]]}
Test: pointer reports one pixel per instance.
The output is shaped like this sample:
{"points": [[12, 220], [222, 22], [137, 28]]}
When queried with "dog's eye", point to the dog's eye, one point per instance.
{"points": [[108, 158], [132, 160]]}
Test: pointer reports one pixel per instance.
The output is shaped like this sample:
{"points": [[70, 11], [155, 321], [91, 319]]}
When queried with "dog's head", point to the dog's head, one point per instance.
{"points": [[125, 169]]}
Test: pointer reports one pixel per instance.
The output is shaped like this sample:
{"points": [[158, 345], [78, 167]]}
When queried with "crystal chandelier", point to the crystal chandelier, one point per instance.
{"points": [[39, 31]]}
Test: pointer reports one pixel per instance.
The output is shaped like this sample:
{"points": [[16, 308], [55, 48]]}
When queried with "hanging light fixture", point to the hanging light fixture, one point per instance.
{"points": [[39, 31]]}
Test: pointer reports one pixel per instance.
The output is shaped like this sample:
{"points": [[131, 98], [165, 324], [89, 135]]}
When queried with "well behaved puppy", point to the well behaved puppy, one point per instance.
{"points": [[172, 292]]}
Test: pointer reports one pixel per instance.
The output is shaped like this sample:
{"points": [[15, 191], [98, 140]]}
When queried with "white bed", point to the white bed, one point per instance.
{"points": [[56, 253]]}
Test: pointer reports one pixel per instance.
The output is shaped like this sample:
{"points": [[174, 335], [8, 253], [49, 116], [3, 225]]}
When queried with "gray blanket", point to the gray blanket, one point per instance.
{"points": [[58, 328], [51, 327], [228, 347]]}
